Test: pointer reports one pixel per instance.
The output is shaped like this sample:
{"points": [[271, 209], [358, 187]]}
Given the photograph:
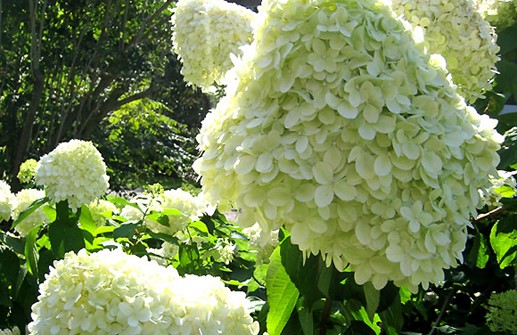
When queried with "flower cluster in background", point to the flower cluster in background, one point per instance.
{"points": [[502, 312], [14, 331], [73, 171], [6, 201], [22, 201], [101, 210], [205, 33], [351, 137], [109, 292], [27, 171], [503, 185], [500, 13], [458, 32]]}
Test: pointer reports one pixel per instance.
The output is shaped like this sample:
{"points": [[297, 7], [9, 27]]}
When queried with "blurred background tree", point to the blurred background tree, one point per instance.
{"points": [[65, 65]]}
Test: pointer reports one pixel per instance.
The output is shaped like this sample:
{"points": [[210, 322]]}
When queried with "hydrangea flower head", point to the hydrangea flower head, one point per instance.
{"points": [[27, 171], [342, 129], [73, 171], [502, 312], [457, 31], [190, 207], [99, 209], [109, 292], [6, 201], [22, 201], [205, 33]]}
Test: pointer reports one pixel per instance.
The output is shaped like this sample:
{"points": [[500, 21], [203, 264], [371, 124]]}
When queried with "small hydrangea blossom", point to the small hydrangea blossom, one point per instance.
{"points": [[73, 171], [205, 34], [457, 31], [6, 201], [263, 241], [109, 292], [190, 207], [500, 13], [339, 127], [502, 312], [14, 331], [27, 171], [22, 201], [492, 195], [99, 209]]}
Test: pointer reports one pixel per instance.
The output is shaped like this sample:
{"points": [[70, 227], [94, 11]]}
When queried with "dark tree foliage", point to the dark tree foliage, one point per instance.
{"points": [[67, 64]]}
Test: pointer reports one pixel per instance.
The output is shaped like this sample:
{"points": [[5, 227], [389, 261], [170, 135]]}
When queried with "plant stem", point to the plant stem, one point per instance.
{"points": [[442, 311], [325, 317]]}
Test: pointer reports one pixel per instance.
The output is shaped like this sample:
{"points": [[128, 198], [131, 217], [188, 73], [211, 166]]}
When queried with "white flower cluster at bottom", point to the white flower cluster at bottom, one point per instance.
{"points": [[110, 292]]}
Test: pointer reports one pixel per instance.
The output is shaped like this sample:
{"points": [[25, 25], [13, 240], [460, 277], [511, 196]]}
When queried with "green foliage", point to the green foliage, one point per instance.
{"points": [[141, 144]]}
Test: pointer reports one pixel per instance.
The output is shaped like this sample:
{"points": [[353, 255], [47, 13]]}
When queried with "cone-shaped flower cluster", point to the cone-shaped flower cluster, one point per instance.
{"points": [[73, 171], [205, 33], [457, 31], [110, 292], [340, 128], [22, 201]]}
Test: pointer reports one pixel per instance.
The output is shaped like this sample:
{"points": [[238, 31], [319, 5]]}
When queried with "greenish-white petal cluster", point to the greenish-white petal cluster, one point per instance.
{"points": [[101, 210], [262, 241], [110, 292], [22, 201], [500, 13], [502, 312], [458, 32], [340, 128], [191, 209], [73, 171], [205, 34], [6, 201], [27, 171], [8, 331], [503, 183]]}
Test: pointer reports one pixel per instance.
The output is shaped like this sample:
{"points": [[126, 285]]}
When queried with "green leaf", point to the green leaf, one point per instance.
{"points": [[9, 264], [64, 233], [392, 319], [372, 299], [507, 40], [297, 269], [306, 320], [479, 254], [34, 206], [503, 239], [282, 295], [125, 230], [86, 221], [31, 252]]}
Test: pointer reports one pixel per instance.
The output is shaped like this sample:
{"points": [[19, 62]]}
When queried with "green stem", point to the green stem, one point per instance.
{"points": [[325, 317]]}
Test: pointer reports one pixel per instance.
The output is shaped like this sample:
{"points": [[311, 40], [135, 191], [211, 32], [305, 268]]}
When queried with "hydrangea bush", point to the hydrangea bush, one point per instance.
{"points": [[502, 312], [205, 33], [458, 32], [351, 137], [109, 292], [74, 171]]}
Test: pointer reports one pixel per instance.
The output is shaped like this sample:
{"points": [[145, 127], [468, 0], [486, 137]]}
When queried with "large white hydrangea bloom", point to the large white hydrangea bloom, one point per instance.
{"points": [[21, 202], [73, 171], [110, 292], [340, 128], [205, 33], [457, 31], [6, 201]]}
